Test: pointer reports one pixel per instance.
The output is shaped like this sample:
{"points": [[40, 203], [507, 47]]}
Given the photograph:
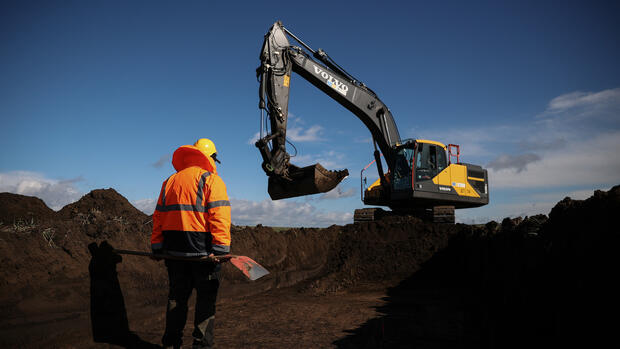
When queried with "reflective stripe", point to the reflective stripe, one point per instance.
{"points": [[218, 203], [201, 185], [193, 208], [221, 248], [198, 207], [181, 207], [186, 254]]}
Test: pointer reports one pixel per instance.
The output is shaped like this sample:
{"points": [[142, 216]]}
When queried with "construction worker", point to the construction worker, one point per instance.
{"points": [[192, 219]]}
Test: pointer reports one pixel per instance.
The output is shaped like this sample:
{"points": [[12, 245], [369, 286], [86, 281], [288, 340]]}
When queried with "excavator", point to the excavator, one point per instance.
{"points": [[421, 178]]}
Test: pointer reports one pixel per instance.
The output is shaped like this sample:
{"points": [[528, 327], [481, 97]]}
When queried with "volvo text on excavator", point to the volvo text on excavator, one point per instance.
{"points": [[421, 178]]}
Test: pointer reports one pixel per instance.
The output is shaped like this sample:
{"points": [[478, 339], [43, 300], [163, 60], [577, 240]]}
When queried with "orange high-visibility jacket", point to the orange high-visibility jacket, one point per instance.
{"points": [[192, 217]]}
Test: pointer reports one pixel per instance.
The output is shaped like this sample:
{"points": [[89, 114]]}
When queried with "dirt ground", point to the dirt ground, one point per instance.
{"points": [[397, 283]]}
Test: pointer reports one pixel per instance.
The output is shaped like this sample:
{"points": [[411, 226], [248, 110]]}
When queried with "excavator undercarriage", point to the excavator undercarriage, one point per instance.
{"points": [[436, 214]]}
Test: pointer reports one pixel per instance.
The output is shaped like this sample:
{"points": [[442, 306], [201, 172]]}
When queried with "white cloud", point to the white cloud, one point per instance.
{"points": [[573, 142], [498, 212], [558, 196], [285, 213], [583, 99], [55, 193], [527, 205], [298, 134], [588, 161], [331, 160], [253, 139], [516, 162], [145, 205]]}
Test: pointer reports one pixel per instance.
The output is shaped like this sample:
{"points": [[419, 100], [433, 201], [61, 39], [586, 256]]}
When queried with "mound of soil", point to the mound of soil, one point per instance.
{"points": [[397, 282], [20, 209]]}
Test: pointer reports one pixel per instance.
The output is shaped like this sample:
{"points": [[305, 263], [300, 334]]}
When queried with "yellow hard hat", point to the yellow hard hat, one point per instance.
{"points": [[207, 147]]}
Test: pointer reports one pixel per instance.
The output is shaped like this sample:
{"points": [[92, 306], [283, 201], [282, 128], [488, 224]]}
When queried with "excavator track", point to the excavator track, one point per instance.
{"points": [[436, 214]]}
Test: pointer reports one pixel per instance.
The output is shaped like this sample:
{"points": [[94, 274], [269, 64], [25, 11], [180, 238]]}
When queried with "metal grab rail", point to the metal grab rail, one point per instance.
{"points": [[362, 179]]}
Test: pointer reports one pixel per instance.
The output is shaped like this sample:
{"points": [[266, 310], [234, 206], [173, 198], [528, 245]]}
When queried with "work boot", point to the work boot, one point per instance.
{"points": [[203, 334]]}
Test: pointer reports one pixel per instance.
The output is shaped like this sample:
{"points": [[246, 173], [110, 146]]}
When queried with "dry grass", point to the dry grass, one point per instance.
{"points": [[23, 226], [48, 235]]}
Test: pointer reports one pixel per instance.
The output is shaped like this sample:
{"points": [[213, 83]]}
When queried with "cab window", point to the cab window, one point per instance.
{"points": [[430, 160], [442, 162], [402, 169]]}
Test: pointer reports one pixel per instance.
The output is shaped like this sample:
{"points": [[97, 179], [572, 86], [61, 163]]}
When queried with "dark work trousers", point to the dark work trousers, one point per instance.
{"points": [[183, 277]]}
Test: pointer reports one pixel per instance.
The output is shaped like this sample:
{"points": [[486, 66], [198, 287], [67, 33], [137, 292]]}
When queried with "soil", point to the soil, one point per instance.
{"points": [[395, 283]]}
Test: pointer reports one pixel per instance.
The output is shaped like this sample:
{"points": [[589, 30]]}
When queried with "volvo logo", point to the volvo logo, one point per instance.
{"points": [[332, 81]]}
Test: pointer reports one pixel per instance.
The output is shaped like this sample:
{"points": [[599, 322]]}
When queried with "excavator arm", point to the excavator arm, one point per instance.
{"points": [[278, 60]]}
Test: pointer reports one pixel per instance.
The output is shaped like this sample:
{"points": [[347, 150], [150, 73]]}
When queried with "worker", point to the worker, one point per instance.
{"points": [[192, 219]]}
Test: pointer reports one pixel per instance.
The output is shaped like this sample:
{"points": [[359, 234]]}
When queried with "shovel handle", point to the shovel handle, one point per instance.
{"points": [[216, 259]]}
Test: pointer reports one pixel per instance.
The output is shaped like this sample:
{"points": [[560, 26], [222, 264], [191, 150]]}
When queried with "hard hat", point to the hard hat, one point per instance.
{"points": [[207, 147]]}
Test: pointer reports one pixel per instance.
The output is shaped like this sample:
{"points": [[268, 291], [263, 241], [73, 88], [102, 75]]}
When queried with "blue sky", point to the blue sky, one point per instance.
{"points": [[98, 94]]}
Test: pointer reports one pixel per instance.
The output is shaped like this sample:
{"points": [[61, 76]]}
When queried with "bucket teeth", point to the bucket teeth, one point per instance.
{"points": [[305, 181]]}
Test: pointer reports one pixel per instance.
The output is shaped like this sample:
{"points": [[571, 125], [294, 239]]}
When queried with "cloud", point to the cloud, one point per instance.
{"points": [[592, 161], [498, 212], [331, 160], [55, 193], [253, 139], [164, 159], [517, 162], [285, 213], [145, 205], [281, 213], [526, 205], [545, 144], [337, 193], [583, 99], [573, 142], [298, 134], [588, 110]]}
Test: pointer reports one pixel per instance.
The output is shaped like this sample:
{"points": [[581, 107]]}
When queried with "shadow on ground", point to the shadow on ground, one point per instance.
{"points": [[107, 306], [534, 283]]}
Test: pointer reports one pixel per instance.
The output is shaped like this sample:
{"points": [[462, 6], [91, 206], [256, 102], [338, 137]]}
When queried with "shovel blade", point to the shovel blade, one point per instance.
{"points": [[307, 180], [249, 267]]}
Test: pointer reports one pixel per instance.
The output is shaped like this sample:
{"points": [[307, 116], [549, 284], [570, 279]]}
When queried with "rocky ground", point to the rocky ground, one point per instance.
{"points": [[396, 283]]}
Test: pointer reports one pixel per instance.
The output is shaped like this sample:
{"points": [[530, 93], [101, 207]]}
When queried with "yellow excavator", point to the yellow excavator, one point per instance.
{"points": [[421, 177]]}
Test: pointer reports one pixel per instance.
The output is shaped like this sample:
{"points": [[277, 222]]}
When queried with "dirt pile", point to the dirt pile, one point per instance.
{"points": [[45, 258], [506, 284], [19, 209], [532, 282]]}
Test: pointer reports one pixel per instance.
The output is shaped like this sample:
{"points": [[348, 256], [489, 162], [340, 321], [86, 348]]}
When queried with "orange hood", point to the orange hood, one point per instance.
{"points": [[188, 155]]}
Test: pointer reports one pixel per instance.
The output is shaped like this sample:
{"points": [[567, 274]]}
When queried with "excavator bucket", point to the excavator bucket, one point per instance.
{"points": [[304, 181]]}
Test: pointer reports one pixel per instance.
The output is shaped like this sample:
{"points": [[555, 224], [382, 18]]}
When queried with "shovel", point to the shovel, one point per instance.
{"points": [[247, 265]]}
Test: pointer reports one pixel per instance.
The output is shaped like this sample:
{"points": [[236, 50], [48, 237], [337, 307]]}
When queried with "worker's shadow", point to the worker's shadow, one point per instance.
{"points": [[107, 306]]}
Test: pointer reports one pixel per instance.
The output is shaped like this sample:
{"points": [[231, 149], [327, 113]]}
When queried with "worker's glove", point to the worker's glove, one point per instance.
{"points": [[218, 258]]}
